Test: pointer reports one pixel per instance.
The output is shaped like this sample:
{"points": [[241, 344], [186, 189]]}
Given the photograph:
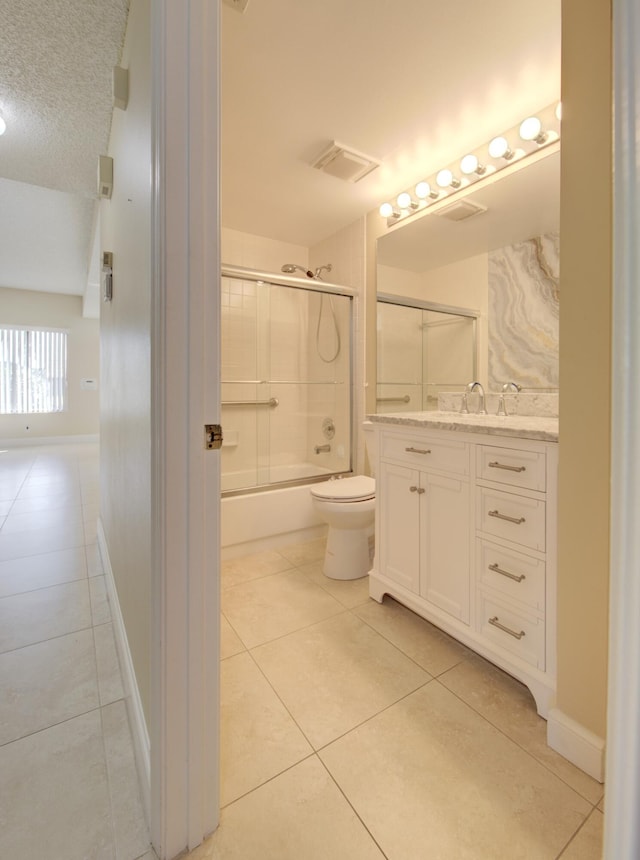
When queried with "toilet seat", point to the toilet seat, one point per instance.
{"points": [[359, 488]]}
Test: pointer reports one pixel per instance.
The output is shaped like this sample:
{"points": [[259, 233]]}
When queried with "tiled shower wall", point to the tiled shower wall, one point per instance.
{"points": [[524, 313]]}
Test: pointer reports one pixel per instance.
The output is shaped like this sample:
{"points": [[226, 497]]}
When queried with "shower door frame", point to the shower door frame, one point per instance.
{"points": [[261, 277]]}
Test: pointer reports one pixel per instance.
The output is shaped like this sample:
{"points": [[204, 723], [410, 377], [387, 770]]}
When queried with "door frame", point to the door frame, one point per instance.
{"points": [[185, 327], [622, 826]]}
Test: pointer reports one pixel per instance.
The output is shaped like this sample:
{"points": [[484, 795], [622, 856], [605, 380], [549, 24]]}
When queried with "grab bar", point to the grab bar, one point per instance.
{"points": [[405, 399], [272, 402]]}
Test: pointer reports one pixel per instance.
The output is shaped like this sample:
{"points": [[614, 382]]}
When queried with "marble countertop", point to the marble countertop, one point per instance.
{"points": [[521, 426]]}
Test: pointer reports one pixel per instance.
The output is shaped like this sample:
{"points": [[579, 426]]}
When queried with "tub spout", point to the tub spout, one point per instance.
{"points": [[321, 449]]}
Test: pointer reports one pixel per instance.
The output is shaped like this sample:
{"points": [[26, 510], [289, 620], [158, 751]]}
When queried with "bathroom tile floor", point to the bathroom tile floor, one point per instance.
{"points": [[68, 785], [349, 729], [357, 730]]}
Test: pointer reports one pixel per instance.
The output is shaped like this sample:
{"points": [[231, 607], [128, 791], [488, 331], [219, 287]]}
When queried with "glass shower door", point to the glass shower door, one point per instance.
{"points": [[286, 384]]}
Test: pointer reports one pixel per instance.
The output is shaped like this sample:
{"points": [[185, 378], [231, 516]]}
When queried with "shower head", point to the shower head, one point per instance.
{"points": [[290, 268]]}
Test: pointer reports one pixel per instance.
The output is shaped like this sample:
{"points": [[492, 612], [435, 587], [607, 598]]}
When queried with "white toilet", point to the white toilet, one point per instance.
{"points": [[348, 506]]}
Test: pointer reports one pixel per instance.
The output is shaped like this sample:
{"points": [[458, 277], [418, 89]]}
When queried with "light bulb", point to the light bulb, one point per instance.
{"points": [[499, 148], [3, 125], [446, 179], [404, 201], [424, 190], [470, 164], [531, 129], [387, 211]]}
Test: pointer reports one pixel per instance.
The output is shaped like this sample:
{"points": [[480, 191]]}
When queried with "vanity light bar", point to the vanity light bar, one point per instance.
{"points": [[533, 133]]}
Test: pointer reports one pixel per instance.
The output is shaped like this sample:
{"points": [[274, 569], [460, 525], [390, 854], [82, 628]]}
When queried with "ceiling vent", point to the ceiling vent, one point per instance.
{"points": [[461, 210], [345, 163]]}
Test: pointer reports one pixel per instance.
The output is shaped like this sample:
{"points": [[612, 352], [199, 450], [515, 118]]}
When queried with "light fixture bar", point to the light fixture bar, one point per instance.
{"points": [[534, 131]]}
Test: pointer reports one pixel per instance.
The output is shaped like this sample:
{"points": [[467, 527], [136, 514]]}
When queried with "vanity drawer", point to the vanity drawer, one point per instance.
{"points": [[520, 634], [517, 576], [428, 452], [525, 469], [515, 518]]}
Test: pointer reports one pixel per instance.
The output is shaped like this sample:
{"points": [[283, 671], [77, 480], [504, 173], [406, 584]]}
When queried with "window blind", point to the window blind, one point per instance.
{"points": [[33, 370]]}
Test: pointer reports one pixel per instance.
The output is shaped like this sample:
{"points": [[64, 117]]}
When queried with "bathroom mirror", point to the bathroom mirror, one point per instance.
{"points": [[502, 259], [422, 349]]}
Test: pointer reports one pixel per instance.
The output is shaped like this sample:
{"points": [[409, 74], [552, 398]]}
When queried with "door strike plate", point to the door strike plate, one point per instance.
{"points": [[213, 436]]}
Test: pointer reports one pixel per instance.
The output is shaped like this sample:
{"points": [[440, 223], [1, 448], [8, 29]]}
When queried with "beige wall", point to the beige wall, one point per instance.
{"points": [[125, 352], [258, 252], [585, 346], [53, 310]]}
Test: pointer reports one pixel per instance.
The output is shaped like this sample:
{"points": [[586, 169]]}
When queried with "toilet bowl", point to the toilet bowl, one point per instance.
{"points": [[348, 507]]}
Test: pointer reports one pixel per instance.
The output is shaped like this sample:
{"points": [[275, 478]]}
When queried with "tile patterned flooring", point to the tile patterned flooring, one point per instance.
{"points": [[350, 730], [68, 785], [353, 730]]}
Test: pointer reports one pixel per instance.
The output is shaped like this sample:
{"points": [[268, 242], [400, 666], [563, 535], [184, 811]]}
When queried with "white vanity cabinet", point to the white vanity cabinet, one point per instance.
{"points": [[466, 537], [424, 519]]}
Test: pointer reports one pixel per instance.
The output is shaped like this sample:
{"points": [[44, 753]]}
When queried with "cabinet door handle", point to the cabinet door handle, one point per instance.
{"points": [[413, 489], [517, 520], [513, 576], [508, 630], [418, 450], [420, 490], [496, 465]]}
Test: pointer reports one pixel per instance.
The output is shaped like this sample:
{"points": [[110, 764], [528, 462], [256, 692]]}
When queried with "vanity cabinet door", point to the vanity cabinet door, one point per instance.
{"points": [[399, 525], [445, 544]]}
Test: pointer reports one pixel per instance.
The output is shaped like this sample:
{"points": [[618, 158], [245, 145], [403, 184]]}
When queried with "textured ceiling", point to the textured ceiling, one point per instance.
{"points": [[55, 95], [55, 88]]}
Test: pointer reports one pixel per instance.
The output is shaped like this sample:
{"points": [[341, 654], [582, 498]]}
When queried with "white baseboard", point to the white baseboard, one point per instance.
{"points": [[576, 743], [139, 731], [33, 441]]}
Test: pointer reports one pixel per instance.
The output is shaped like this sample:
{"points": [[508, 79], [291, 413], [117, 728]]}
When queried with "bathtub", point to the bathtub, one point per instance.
{"points": [[255, 521]]}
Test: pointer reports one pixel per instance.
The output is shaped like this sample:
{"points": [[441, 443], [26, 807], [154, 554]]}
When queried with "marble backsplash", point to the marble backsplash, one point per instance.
{"points": [[524, 403], [523, 317]]}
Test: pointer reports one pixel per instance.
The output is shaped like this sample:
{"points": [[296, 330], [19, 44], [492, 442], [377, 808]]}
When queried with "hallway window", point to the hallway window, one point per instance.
{"points": [[33, 370]]}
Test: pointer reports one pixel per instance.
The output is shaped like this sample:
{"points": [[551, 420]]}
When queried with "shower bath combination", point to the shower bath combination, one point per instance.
{"points": [[277, 384]]}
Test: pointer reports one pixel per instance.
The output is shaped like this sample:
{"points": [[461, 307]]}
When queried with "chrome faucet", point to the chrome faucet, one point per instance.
{"points": [[508, 386], [322, 449], [471, 387]]}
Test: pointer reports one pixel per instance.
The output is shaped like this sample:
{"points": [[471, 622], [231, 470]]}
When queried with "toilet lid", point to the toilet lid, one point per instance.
{"points": [[358, 488]]}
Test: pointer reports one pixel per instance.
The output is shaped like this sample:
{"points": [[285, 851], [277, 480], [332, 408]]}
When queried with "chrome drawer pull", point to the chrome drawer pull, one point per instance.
{"points": [[417, 451], [496, 465], [497, 569], [508, 630], [517, 520]]}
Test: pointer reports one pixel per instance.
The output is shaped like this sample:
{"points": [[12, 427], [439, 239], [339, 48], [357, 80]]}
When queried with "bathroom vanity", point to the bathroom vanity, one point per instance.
{"points": [[466, 511]]}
